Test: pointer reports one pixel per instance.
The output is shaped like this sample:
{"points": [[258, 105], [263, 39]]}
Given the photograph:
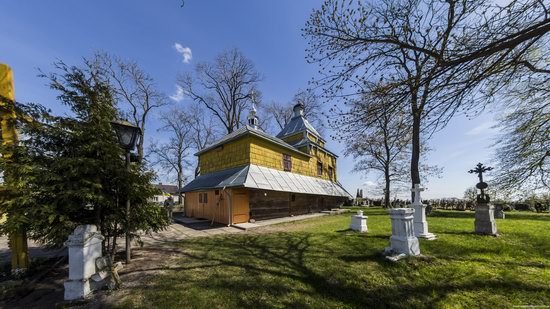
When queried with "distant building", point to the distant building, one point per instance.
{"points": [[167, 192], [360, 200], [249, 174]]}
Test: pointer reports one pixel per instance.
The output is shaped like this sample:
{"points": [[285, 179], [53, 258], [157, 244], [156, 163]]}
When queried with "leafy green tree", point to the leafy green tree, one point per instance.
{"points": [[68, 170]]}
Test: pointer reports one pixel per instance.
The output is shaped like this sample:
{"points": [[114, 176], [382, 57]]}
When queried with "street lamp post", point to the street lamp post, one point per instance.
{"points": [[127, 134]]}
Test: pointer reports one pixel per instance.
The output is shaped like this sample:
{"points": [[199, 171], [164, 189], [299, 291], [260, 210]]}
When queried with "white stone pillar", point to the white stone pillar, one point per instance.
{"points": [[403, 240], [359, 222], [84, 248], [485, 219], [499, 212], [420, 223]]}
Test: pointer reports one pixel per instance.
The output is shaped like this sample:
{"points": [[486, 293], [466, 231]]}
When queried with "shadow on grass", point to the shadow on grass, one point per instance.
{"points": [[345, 231], [458, 233], [493, 261], [290, 269], [378, 258], [452, 214], [515, 215]]}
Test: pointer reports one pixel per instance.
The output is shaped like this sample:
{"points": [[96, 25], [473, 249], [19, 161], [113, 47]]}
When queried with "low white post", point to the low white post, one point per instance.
{"points": [[84, 248], [420, 223], [403, 241], [359, 222]]}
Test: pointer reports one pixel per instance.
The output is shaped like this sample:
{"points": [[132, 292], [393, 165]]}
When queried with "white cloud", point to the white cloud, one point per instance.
{"points": [[369, 183], [184, 51], [179, 95], [485, 127]]}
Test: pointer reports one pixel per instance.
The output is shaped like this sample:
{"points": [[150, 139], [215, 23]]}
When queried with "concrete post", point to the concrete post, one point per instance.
{"points": [[84, 248], [499, 212], [485, 223], [359, 222], [420, 223], [403, 240]]}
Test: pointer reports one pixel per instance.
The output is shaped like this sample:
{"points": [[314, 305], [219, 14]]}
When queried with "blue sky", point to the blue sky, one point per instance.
{"points": [[36, 33]]}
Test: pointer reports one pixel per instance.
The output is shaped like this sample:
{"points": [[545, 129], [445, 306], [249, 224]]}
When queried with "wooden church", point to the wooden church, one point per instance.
{"points": [[249, 174]]}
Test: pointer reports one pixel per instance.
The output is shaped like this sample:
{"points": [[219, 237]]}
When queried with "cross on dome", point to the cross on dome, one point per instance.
{"points": [[252, 118]]}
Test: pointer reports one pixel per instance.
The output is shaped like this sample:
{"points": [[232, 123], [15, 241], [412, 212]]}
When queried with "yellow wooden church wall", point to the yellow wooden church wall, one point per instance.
{"points": [[294, 137], [232, 154], [299, 136], [315, 139], [270, 155], [254, 150], [264, 153]]}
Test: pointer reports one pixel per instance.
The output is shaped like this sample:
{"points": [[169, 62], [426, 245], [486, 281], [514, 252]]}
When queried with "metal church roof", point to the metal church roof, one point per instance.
{"points": [[259, 177], [297, 124]]}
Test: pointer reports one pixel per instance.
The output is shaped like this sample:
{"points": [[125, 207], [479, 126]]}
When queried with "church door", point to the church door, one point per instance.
{"points": [[240, 207]]}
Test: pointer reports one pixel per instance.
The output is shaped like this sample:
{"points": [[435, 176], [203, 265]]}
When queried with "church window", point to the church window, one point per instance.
{"points": [[287, 162]]}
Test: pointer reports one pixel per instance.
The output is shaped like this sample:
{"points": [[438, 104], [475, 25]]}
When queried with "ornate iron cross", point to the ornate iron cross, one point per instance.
{"points": [[479, 170]]}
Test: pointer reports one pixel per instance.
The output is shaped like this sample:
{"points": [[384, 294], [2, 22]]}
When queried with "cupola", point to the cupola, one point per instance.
{"points": [[252, 118], [298, 110]]}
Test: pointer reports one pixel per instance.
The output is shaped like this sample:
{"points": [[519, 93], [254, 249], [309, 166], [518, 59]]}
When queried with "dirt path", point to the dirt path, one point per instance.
{"points": [[159, 254]]}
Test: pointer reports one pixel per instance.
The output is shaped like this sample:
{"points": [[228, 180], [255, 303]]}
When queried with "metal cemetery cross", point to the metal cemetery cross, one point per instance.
{"points": [[479, 170]]}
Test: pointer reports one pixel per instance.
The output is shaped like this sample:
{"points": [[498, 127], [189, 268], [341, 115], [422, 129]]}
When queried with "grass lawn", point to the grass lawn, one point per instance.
{"points": [[319, 263]]}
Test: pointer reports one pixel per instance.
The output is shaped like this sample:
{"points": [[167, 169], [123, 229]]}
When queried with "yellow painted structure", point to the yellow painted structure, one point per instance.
{"points": [[18, 241], [249, 146], [255, 150], [232, 154]]}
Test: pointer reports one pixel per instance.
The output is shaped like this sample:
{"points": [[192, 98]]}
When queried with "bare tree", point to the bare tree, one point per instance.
{"points": [[280, 112], [225, 87], [379, 141], [523, 147], [313, 107], [470, 194], [313, 110], [435, 54], [172, 155], [135, 88], [203, 130]]}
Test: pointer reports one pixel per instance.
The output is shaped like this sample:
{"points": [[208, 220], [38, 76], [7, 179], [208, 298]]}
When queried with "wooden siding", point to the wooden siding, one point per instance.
{"points": [[273, 204], [215, 209], [315, 139], [233, 154], [217, 206], [255, 150], [294, 137], [264, 153]]}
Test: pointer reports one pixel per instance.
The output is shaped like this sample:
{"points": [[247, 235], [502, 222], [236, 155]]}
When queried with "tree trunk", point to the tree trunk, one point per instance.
{"points": [[113, 247], [180, 185], [387, 189], [415, 158], [141, 141]]}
